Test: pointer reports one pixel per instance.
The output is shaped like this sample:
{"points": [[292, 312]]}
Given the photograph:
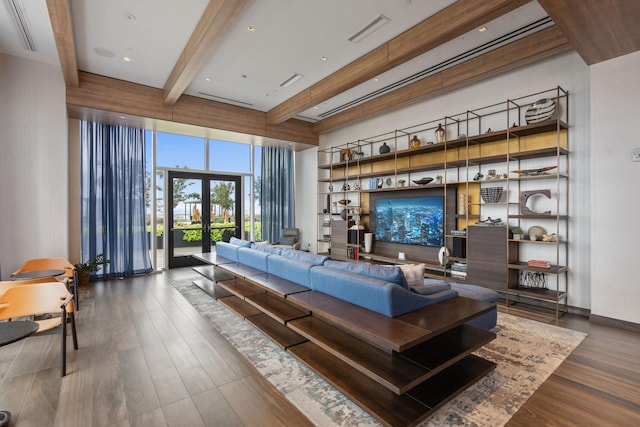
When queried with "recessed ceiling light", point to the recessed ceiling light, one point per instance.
{"points": [[375, 79], [122, 117], [482, 29], [130, 16], [207, 79], [127, 59], [251, 29], [315, 108], [323, 58]]}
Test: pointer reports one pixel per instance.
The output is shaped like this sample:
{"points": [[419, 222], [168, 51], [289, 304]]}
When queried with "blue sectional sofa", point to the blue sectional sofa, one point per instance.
{"points": [[381, 289]]}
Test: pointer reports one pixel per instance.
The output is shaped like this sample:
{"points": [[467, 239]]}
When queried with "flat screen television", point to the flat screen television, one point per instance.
{"points": [[410, 220]]}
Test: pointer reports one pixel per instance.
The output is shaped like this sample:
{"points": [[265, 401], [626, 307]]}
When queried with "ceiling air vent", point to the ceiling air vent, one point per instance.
{"points": [[368, 29], [226, 100], [291, 80], [21, 21]]}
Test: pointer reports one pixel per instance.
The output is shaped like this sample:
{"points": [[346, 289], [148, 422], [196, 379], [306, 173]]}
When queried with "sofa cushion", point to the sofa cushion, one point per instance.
{"points": [[488, 320], [268, 249], [430, 286], [373, 294], [227, 250], [309, 257], [291, 269], [387, 273], [240, 242], [412, 275], [253, 258]]}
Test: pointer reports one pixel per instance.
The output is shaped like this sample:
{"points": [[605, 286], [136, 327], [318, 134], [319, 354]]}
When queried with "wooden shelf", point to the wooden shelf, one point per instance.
{"points": [[537, 128], [280, 334], [392, 409], [276, 307], [239, 306], [388, 369], [554, 269], [541, 294], [539, 216], [240, 287]]}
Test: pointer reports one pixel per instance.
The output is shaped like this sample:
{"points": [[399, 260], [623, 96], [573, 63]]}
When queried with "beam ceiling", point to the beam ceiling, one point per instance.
{"points": [[537, 46], [60, 16], [215, 21], [597, 29], [444, 26]]}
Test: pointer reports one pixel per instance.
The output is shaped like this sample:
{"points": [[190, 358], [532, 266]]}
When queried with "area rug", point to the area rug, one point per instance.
{"points": [[526, 353]]}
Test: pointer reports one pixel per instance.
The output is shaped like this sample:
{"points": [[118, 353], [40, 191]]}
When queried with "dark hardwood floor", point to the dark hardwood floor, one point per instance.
{"points": [[147, 358]]}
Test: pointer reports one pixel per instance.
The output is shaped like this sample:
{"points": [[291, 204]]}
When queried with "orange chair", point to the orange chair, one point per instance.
{"points": [[69, 276], [6, 284], [38, 299]]}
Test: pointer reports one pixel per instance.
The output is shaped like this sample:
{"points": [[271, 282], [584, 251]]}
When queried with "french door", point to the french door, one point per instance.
{"points": [[202, 208]]}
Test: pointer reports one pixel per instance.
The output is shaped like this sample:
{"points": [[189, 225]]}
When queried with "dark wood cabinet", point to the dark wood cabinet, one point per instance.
{"points": [[488, 255], [339, 239]]}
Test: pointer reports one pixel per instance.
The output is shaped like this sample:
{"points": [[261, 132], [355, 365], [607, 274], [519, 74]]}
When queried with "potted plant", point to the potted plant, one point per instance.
{"points": [[85, 269], [517, 232], [438, 179], [401, 182]]}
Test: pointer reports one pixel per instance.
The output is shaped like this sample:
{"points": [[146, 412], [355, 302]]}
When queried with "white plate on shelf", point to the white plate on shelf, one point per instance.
{"points": [[541, 110]]}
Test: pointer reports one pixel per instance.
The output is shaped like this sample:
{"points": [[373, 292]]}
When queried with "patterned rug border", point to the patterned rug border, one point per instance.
{"points": [[526, 352]]}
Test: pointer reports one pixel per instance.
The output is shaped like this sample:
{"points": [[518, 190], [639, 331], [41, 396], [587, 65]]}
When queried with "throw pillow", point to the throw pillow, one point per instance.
{"points": [[413, 274], [430, 286], [240, 242], [287, 240]]}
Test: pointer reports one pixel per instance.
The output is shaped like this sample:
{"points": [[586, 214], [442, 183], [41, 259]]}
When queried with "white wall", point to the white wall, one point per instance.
{"points": [[33, 163], [615, 206], [306, 208], [569, 72]]}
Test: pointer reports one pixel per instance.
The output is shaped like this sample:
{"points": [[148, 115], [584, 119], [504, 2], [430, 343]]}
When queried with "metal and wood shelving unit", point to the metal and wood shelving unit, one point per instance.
{"points": [[471, 148]]}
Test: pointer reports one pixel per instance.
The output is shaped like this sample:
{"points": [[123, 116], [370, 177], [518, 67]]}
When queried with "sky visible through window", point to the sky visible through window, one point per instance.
{"points": [[179, 151]]}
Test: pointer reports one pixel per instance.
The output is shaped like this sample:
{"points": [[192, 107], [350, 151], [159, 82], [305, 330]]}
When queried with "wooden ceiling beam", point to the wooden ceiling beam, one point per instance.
{"points": [[62, 25], [446, 25], [597, 29], [118, 97], [533, 48], [215, 21]]}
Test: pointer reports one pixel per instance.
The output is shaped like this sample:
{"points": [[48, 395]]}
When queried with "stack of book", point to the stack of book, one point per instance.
{"points": [[536, 263], [353, 252], [458, 232], [459, 270]]}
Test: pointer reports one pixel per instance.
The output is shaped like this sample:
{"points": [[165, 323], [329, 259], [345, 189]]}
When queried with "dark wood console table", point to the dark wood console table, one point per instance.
{"points": [[400, 370]]}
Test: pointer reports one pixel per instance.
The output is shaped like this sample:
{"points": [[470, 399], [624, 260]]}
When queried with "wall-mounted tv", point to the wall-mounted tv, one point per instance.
{"points": [[410, 220]]}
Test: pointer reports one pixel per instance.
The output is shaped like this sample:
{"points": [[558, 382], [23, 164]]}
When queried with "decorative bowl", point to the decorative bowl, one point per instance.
{"points": [[344, 201], [491, 194], [536, 233], [423, 181]]}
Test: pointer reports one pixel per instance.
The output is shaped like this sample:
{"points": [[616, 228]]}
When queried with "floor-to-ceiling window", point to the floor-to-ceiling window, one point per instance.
{"points": [[168, 152]]}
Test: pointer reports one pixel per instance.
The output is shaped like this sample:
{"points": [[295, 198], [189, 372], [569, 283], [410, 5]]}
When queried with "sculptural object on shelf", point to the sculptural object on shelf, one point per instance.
{"points": [[384, 148], [440, 133]]}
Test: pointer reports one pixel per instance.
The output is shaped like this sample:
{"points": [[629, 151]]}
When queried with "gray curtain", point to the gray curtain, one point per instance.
{"points": [[277, 192], [113, 204]]}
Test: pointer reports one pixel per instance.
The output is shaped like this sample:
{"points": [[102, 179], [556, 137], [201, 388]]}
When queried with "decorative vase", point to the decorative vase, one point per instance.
{"points": [[368, 241], [440, 133], [384, 148], [415, 142], [462, 204]]}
